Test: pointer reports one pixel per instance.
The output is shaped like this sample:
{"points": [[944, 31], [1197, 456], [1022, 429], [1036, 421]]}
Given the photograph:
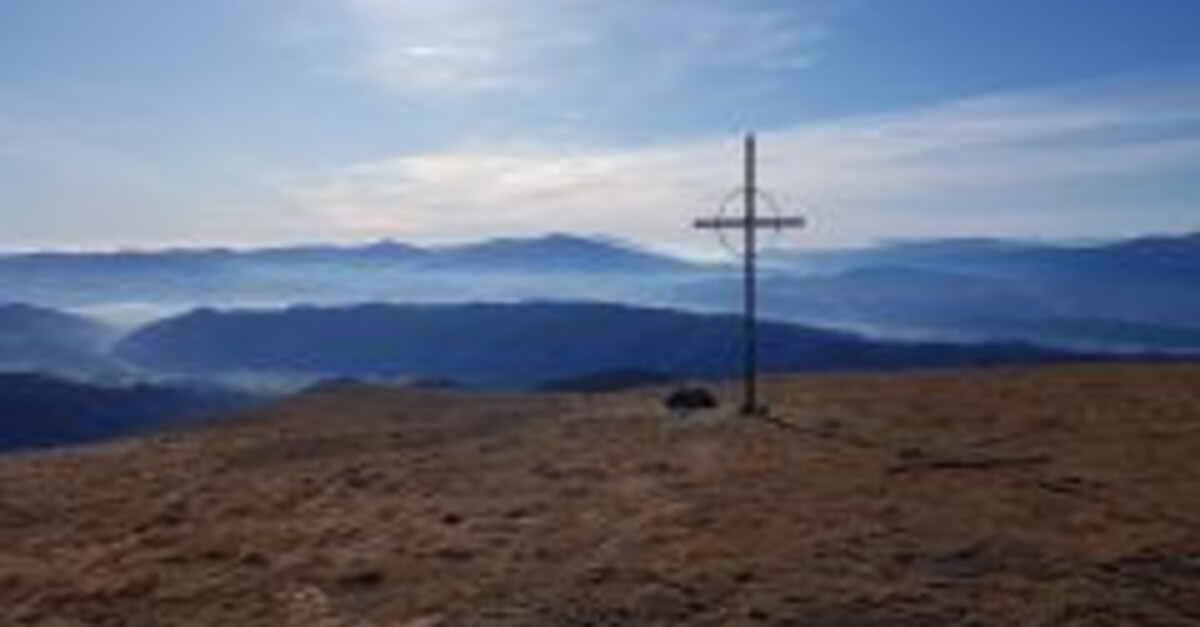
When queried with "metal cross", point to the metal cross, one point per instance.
{"points": [[750, 223]]}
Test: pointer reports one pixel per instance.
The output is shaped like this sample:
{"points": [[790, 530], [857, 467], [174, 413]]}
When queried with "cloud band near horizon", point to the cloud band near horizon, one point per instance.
{"points": [[1039, 163]]}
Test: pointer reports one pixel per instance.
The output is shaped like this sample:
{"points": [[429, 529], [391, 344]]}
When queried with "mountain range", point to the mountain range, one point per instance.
{"points": [[132, 287], [40, 339], [566, 312], [1132, 295], [89, 386], [517, 345]]}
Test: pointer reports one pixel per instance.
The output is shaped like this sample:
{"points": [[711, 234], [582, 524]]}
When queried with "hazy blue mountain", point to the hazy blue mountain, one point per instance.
{"points": [[555, 253], [1013, 259], [386, 252], [515, 345], [69, 280], [40, 339], [38, 410], [883, 295], [962, 253], [1132, 295], [120, 285], [1129, 295]]}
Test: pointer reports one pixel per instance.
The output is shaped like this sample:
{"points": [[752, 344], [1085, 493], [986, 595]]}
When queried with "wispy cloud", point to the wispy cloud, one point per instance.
{"points": [[1039, 155], [456, 47]]}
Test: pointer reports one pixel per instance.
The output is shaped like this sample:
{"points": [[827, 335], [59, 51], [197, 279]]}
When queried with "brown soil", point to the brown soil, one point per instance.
{"points": [[1060, 496]]}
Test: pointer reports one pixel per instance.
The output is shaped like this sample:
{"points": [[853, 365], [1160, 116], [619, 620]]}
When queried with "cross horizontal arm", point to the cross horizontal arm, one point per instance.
{"points": [[777, 224]]}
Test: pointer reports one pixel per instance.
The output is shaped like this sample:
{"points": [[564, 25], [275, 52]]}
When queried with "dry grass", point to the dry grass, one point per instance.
{"points": [[1063, 496]]}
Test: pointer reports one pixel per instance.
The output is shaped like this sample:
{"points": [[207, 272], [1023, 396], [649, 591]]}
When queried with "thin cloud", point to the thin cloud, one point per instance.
{"points": [[926, 171], [465, 47]]}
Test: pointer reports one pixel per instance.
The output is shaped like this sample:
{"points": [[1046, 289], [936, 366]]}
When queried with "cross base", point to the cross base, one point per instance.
{"points": [[757, 410]]}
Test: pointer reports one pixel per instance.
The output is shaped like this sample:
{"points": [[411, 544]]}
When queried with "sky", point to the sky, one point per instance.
{"points": [[143, 123]]}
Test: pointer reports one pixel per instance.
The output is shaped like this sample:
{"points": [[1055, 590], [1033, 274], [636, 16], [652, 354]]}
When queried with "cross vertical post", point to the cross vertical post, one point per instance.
{"points": [[750, 223], [750, 283]]}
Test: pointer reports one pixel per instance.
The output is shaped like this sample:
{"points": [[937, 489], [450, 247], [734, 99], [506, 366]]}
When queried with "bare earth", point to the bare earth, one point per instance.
{"points": [[1059, 496]]}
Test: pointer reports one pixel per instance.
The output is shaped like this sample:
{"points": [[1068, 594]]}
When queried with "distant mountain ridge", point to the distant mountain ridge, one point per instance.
{"points": [[1138, 294], [982, 252], [40, 339], [551, 253], [517, 345], [1131, 295], [169, 281], [538, 253]]}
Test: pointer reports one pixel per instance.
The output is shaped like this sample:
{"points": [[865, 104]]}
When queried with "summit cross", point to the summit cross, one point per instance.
{"points": [[750, 223]]}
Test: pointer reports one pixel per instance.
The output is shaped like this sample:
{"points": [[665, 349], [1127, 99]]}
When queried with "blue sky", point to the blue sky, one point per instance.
{"points": [[141, 123]]}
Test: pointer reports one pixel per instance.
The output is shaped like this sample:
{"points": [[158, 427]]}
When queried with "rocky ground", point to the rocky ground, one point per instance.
{"points": [[1058, 496]]}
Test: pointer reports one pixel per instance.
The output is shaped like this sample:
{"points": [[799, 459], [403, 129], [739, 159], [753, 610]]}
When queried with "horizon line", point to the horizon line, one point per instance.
{"points": [[434, 244]]}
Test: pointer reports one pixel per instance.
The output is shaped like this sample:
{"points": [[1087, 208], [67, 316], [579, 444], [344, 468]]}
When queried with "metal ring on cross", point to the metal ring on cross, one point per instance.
{"points": [[771, 203]]}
